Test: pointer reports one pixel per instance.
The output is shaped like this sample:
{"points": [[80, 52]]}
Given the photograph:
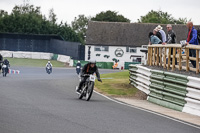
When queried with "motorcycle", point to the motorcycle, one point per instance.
{"points": [[4, 70], [48, 69], [87, 87]]}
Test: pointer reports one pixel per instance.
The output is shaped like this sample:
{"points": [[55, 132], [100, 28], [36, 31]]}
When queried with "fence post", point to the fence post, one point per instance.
{"points": [[154, 55], [173, 59], [187, 59], [197, 61], [148, 59], [180, 59], [165, 54], [151, 55], [157, 56], [161, 56], [169, 58]]}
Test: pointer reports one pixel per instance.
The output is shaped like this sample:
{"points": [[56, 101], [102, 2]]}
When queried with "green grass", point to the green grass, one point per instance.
{"points": [[33, 62], [117, 86]]}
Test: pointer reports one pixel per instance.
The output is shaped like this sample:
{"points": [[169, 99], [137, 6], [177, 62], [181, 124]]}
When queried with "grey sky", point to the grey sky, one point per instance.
{"points": [[66, 10]]}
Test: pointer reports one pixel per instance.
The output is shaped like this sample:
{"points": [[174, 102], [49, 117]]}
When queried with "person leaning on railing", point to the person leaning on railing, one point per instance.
{"points": [[154, 39], [192, 39]]}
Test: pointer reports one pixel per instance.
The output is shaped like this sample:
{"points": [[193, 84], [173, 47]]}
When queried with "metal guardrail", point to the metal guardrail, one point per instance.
{"points": [[158, 55], [175, 91]]}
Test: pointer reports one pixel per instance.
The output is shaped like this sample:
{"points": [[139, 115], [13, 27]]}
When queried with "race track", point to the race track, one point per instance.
{"points": [[35, 102]]}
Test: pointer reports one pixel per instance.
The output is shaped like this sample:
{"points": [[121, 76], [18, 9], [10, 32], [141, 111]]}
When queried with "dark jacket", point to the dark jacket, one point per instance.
{"points": [[158, 34], [89, 70], [171, 37], [193, 37], [78, 64]]}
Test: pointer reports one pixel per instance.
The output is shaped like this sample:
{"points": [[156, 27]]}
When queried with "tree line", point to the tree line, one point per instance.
{"points": [[28, 19]]}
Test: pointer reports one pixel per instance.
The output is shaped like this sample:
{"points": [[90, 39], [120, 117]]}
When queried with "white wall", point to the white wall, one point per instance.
{"points": [[111, 53], [34, 55]]}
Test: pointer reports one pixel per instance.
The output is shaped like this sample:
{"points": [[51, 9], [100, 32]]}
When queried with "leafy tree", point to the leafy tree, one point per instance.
{"points": [[110, 16], [3, 13], [28, 19], [161, 18], [80, 25], [52, 16]]}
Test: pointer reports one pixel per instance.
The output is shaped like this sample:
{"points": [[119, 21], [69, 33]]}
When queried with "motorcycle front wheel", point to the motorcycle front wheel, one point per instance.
{"points": [[4, 72], [89, 91], [80, 96]]}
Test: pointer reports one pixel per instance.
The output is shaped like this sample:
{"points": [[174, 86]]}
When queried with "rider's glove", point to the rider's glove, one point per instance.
{"points": [[99, 80]]}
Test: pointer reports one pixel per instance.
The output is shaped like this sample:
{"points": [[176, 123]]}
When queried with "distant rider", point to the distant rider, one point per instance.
{"points": [[1, 61], [78, 67], [6, 62], [89, 68], [49, 65]]}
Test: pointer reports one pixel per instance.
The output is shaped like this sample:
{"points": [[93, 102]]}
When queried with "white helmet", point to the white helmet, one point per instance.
{"points": [[49, 62], [92, 61], [78, 61]]}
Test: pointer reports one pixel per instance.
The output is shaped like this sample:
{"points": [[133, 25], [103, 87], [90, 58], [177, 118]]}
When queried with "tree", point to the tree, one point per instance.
{"points": [[52, 16], [161, 18], [110, 16], [80, 25], [3, 13], [28, 19]]}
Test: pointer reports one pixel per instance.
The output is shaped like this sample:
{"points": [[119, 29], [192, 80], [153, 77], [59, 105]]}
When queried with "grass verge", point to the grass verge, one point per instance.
{"points": [[33, 62], [116, 84]]}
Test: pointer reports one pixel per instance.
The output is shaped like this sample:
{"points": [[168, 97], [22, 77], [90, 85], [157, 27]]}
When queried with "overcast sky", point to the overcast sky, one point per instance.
{"points": [[67, 10]]}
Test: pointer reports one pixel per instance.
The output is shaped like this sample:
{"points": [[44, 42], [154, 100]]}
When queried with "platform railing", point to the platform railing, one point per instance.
{"points": [[161, 55]]}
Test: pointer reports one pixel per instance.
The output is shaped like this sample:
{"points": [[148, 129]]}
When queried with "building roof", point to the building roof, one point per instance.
{"points": [[126, 34]]}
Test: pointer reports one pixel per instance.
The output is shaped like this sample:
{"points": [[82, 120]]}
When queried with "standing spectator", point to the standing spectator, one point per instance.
{"points": [[159, 28], [192, 39], [171, 39], [171, 36], [154, 39], [183, 52], [158, 34]]}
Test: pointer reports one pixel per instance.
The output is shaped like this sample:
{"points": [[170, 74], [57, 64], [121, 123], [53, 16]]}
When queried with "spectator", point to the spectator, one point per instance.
{"points": [[192, 39], [158, 34], [183, 52], [154, 39], [171, 36], [159, 28], [171, 39]]}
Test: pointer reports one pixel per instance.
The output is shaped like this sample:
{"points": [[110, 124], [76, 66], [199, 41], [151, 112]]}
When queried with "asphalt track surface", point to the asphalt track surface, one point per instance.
{"points": [[35, 102]]}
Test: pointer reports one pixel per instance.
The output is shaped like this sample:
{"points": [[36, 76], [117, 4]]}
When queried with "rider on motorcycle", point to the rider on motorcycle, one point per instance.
{"points": [[6, 62], [89, 68], [78, 67], [49, 65], [1, 61]]}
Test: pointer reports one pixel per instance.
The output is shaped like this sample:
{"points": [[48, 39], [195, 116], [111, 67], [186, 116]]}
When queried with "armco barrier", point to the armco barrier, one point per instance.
{"points": [[63, 58], [32, 55], [175, 91], [6, 53], [35, 55]]}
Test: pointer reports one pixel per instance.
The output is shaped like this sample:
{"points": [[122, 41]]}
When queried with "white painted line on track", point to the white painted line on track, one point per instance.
{"points": [[180, 121]]}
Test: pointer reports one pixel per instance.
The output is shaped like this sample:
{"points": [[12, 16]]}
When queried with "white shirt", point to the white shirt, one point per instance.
{"points": [[163, 35]]}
